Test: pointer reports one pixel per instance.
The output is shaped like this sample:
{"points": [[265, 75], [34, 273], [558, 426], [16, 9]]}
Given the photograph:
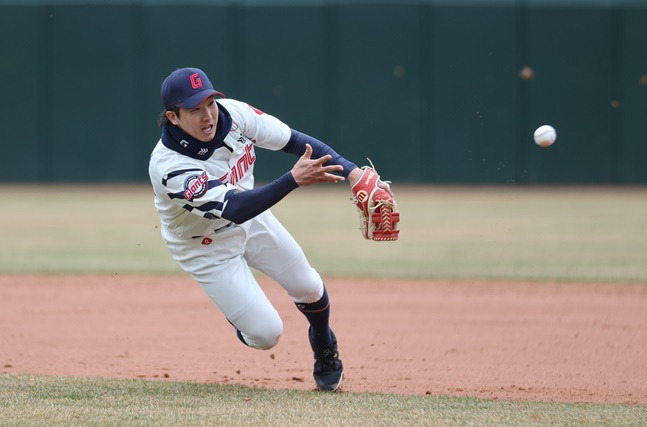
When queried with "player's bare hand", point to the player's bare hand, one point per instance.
{"points": [[307, 171]]}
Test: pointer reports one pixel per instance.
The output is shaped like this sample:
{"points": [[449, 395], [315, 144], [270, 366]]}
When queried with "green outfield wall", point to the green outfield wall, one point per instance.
{"points": [[431, 91]]}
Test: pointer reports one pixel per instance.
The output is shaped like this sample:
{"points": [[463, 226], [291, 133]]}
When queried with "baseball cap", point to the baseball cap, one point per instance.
{"points": [[186, 88]]}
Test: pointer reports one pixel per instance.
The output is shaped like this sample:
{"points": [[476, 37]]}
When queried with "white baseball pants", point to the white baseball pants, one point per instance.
{"points": [[222, 268]]}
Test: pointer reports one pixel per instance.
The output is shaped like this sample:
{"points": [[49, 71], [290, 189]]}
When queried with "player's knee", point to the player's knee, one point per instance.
{"points": [[268, 342], [264, 339], [260, 325], [309, 290]]}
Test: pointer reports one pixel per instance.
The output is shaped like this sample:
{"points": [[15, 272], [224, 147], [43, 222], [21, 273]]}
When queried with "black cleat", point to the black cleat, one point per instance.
{"points": [[328, 370]]}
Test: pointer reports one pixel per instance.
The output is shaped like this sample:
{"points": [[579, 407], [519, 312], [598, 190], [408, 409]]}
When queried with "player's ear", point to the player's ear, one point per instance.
{"points": [[172, 117]]}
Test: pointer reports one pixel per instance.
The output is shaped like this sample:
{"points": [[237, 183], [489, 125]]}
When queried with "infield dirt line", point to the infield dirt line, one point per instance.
{"points": [[572, 342]]}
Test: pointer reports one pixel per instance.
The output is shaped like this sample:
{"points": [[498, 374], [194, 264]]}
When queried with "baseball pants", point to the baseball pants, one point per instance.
{"points": [[222, 268]]}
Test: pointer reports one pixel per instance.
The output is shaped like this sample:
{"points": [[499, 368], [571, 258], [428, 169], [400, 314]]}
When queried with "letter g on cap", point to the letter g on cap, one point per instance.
{"points": [[196, 81]]}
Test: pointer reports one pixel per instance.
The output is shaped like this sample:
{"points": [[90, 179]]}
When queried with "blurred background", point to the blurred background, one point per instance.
{"points": [[436, 91]]}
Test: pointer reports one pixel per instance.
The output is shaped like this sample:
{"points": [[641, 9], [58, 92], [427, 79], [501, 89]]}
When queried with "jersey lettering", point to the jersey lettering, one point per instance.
{"points": [[242, 165]]}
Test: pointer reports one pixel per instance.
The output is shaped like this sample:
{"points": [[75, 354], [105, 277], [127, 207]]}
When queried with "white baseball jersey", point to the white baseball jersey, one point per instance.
{"points": [[189, 196]]}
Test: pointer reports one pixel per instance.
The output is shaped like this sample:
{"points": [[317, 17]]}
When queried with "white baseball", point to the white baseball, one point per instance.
{"points": [[545, 135]]}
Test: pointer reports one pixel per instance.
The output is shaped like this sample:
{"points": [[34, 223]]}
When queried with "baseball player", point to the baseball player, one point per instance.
{"points": [[217, 225]]}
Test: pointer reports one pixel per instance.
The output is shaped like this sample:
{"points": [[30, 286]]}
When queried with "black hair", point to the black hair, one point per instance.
{"points": [[163, 120]]}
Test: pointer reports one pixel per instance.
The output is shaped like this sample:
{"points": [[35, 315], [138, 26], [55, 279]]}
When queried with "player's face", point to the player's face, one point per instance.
{"points": [[199, 122]]}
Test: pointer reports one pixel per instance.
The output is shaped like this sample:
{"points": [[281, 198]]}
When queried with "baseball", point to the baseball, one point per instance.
{"points": [[545, 135]]}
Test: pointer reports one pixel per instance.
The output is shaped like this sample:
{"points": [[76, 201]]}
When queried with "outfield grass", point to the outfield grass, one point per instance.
{"points": [[567, 234], [510, 233], [40, 400]]}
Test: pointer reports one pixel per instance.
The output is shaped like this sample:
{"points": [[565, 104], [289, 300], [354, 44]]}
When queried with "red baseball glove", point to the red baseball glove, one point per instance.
{"points": [[378, 212]]}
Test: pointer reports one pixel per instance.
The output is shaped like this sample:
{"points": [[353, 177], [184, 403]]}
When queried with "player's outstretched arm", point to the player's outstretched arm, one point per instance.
{"points": [[297, 145], [245, 205]]}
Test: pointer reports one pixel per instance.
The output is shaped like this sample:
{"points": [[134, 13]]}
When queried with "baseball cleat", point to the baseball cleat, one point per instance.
{"points": [[328, 369]]}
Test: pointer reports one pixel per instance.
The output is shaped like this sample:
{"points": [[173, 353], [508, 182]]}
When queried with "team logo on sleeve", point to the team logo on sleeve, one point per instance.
{"points": [[196, 186]]}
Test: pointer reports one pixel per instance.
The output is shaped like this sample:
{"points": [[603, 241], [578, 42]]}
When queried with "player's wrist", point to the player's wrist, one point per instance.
{"points": [[354, 176]]}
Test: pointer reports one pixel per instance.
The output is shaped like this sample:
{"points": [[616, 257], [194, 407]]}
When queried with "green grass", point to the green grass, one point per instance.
{"points": [[512, 233], [40, 400]]}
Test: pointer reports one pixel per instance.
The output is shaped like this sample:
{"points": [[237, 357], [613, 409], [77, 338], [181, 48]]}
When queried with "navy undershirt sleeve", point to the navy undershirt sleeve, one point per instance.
{"points": [[245, 205], [297, 146]]}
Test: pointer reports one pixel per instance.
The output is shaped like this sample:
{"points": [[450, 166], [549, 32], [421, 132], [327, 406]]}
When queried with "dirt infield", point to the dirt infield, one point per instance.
{"points": [[518, 341]]}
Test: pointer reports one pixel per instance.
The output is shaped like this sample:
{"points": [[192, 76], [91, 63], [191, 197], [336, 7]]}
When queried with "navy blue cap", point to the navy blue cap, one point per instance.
{"points": [[186, 88]]}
